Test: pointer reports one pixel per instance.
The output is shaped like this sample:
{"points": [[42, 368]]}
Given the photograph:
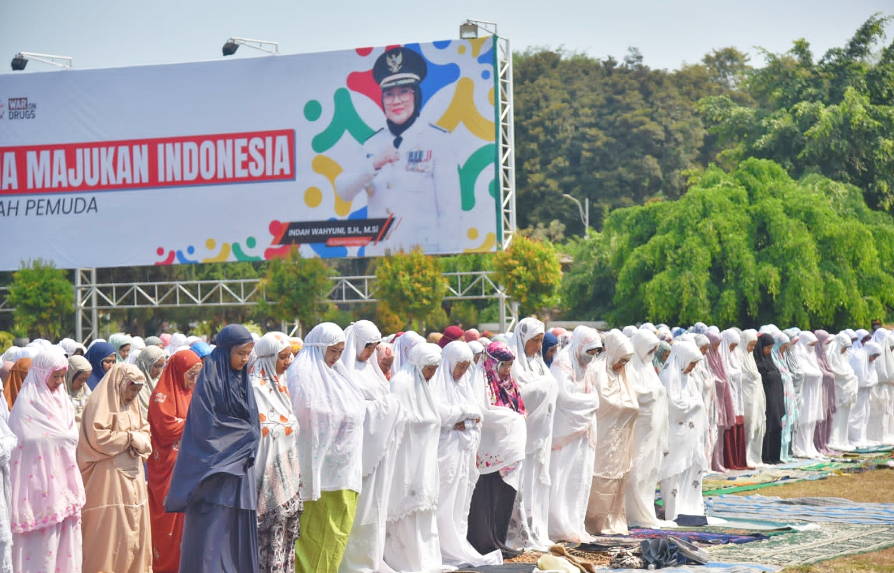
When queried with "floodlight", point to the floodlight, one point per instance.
{"points": [[231, 45], [21, 60], [469, 29]]}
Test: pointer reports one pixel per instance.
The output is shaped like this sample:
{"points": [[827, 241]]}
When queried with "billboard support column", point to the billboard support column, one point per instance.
{"points": [[85, 283], [506, 142], [508, 312]]}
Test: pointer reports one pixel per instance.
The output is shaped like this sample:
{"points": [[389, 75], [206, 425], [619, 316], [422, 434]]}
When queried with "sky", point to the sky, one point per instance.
{"points": [[113, 33]]}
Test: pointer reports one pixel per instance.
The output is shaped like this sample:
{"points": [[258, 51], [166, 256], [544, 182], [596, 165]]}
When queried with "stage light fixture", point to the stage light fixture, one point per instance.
{"points": [[231, 45], [20, 60], [470, 29]]}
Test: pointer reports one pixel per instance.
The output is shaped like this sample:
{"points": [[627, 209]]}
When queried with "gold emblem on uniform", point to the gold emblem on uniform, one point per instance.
{"points": [[394, 62]]}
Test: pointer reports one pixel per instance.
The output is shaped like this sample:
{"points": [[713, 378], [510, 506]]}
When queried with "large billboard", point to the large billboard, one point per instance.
{"points": [[337, 154]]}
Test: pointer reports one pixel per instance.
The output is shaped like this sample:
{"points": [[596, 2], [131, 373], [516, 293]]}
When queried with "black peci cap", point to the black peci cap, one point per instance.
{"points": [[398, 67]]}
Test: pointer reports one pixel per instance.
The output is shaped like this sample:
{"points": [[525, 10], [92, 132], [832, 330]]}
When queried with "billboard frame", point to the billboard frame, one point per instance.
{"points": [[86, 287]]}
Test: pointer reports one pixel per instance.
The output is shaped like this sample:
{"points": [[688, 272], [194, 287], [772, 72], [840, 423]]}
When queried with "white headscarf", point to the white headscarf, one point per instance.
{"points": [[569, 359], [650, 393], [732, 365], [577, 399], [884, 364], [70, 347], [330, 410], [402, 348], [618, 408], [537, 386], [527, 329], [384, 414], [859, 361], [687, 421], [846, 383], [357, 336], [416, 459], [456, 401]]}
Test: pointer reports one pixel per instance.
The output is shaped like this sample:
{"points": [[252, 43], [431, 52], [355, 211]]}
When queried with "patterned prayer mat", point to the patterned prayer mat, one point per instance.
{"points": [[701, 538], [822, 509], [826, 541], [706, 568], [712, 567]]}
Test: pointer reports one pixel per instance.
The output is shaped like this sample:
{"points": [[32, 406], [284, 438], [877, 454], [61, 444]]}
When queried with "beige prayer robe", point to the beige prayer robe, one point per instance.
{"points": [[114, 442]]}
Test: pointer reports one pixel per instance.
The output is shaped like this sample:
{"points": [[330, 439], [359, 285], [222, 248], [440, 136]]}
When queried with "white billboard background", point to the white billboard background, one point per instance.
{"points": [[223, 220]]}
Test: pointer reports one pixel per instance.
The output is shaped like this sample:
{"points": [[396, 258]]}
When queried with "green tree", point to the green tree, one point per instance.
{"points": [[834, 116], [530, 272], [43, 298], [616, 133], [746, 248], [411, 285], [297, 288]]}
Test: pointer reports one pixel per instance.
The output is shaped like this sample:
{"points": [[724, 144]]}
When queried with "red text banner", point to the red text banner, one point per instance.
{"points": [[145, 163]]}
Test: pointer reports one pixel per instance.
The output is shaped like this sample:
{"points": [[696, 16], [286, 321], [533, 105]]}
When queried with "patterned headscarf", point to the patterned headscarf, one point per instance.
{"points": [[503, 391]]}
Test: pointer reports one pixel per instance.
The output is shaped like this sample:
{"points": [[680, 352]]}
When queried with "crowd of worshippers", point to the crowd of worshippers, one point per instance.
{"points": [[349, 451]]}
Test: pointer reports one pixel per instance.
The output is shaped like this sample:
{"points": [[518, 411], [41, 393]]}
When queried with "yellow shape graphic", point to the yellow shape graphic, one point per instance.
{"points": [[462, 110], [490, 96], [472, 234], [330, 169], [477, 44], [461, 49], [490, 241], [220, 257], [313, 197]]}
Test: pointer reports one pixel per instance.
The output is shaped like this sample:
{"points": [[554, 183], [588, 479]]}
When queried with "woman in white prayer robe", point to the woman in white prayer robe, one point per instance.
{"points": [[846, 387], [457, 451], [411, 538], [382, 428], [708, 385], [881, 401], [530, 520], [649, 433], [615, 422], [754, 400], [685, 465], [574, 437], [862, 359], [811, 410]]}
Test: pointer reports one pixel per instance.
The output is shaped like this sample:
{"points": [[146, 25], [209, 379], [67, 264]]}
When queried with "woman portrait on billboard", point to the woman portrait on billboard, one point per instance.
{"points": [[408, 169]]}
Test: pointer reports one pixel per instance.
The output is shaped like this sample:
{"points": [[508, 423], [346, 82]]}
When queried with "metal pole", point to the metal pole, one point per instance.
{"points": [[79, 320], [94, 312], [587, 215], [502, 312]]}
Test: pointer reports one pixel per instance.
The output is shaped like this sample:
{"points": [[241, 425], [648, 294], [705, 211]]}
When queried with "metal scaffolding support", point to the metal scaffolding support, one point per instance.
{"points": [[506, 142], [4, 300], [92, 297]]}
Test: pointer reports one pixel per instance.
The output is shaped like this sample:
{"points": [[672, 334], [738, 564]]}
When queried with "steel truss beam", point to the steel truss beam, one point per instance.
{"points": [[92, 297], [4, 300]]}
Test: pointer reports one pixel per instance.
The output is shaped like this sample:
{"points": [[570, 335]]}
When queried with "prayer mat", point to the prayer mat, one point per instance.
{"points": [[505, 568], [821, 543], [711, 567], [701, 538], [822, 509]]}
